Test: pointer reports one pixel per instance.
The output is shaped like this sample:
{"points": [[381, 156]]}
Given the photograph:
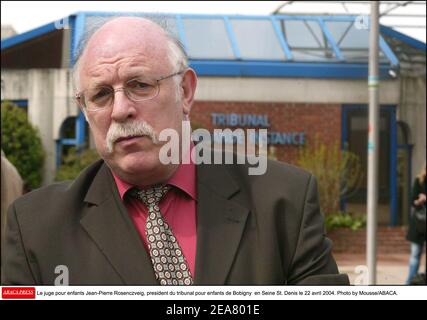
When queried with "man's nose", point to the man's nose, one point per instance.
{"points": [[123, 107]]}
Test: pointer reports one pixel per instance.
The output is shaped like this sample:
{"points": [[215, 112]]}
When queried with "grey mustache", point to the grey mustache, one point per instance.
{"points": [[129, 129]]}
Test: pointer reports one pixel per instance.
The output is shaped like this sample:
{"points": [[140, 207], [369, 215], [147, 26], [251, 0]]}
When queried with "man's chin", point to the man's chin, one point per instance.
{"points": [[139, 167], [136, 162]]}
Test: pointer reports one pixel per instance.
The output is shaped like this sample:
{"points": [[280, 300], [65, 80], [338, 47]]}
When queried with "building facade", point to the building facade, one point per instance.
{"points": [[303, 77]]}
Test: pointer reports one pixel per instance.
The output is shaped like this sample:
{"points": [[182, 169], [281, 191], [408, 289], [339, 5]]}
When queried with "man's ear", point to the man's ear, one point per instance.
{"points": [[188, 89]]}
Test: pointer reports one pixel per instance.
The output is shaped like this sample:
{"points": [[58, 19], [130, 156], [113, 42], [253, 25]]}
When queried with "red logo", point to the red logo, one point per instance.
{"points": [[18, 292]]}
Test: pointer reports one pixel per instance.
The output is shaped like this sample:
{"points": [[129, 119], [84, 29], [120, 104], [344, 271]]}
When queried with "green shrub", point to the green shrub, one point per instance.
{"points": [[344, 220], [74, 163], [338, 172], [22, 145]]}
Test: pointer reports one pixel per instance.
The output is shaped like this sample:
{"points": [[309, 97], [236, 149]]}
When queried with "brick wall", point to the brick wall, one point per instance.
{"points": [[389, 240], [321, 119]]}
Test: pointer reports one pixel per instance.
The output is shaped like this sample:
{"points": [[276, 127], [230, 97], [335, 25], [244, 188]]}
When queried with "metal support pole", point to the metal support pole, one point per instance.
{"points": [[373, 144]]}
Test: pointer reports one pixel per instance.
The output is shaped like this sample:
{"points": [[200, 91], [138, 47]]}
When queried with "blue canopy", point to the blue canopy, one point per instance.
{"points": [[260, 46]]}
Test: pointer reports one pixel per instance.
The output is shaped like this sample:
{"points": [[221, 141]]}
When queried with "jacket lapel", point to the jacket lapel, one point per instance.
{"points": [[110, 227], [220, 224]]}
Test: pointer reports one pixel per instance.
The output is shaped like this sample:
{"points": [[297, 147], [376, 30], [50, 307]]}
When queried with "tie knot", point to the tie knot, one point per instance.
{"points": [[151, 196]]}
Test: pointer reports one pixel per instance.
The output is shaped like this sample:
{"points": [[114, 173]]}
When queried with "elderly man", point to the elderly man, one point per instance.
{"points": [[130, 219]]}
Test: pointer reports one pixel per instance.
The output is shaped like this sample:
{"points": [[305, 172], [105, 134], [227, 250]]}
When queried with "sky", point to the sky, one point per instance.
{"points": [[27, 15]]}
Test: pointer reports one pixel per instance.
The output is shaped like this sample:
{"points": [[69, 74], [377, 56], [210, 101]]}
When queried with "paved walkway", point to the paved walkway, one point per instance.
{"points": [[392, 269]]}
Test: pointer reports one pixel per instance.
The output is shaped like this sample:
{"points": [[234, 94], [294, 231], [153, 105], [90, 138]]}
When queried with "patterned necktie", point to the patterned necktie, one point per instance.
{"points": [[169, 263]]}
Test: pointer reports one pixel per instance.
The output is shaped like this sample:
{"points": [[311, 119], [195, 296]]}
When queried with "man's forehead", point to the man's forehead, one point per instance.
{"points": [[133, 43], [130, 25], [127, 33], [130, 55]]}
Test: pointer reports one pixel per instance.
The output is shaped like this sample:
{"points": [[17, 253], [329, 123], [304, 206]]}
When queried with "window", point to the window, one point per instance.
{"points": [[207, 39], [307, 41], [256, 39], [353, 42]]}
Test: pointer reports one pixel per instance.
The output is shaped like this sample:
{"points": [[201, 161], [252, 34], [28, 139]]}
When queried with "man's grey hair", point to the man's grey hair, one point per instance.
{"points": [[177, 56]]}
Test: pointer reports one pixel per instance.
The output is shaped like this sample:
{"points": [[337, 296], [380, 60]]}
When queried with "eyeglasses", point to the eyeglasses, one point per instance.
{"points": [[137, 89]]}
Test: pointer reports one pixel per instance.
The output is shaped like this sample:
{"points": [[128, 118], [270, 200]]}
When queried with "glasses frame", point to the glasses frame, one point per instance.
{"points": [[80, 101]]}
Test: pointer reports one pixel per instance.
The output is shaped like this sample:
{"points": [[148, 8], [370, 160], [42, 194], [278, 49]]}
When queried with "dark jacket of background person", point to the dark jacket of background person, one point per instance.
{"points": [[251, 230], [413, 235]]}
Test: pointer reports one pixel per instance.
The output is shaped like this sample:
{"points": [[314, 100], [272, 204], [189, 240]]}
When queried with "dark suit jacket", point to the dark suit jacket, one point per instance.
{"points": [[260, 230]]}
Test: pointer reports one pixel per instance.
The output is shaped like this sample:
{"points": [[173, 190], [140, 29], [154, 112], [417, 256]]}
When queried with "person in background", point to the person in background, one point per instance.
{"points": [[416, 238], [11, 189]]}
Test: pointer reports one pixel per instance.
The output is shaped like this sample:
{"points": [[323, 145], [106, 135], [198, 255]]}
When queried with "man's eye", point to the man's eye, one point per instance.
{"points": [[100, 94], [138, 84]]}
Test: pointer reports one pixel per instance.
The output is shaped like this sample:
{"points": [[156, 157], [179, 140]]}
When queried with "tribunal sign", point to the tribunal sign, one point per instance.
{"points": [[236, 120]]}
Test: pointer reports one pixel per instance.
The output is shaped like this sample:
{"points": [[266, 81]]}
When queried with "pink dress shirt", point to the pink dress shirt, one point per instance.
{"points": [[178, 208]]}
